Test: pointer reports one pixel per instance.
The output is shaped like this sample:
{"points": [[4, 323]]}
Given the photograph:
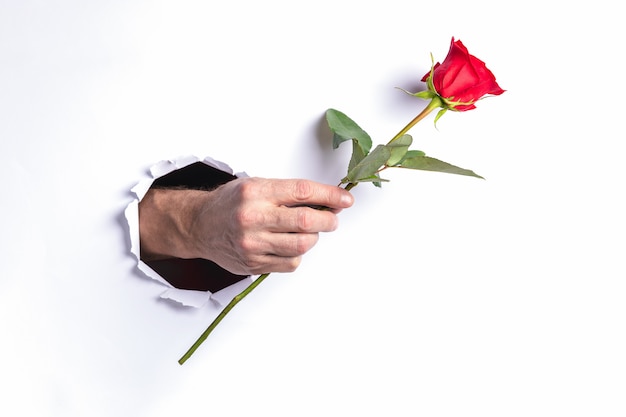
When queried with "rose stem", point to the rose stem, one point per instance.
{"points": [[219, 318], [434, 103]]}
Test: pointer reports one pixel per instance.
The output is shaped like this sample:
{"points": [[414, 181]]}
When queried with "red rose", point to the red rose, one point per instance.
{"points": [[462, 79]]}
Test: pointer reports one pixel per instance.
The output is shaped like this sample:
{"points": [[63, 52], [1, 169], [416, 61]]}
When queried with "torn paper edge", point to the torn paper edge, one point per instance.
{"points": [[190, 298]]}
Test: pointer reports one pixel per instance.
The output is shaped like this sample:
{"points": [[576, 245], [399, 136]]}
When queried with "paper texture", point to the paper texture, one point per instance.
{"points": [[189, 298]]}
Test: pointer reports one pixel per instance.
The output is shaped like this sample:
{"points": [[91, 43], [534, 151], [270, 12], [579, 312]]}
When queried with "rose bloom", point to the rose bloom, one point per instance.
{"points": [[462, 79]]}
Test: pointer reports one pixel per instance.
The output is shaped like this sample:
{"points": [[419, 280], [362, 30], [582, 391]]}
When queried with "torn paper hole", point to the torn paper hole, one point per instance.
{"points": [[191, 298]]}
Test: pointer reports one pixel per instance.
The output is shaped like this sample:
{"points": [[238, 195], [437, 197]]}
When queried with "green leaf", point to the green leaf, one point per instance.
{"points": [[398, 149], [357, 155], [426, 163], [345, 129], [411, 154], [369, 166]]}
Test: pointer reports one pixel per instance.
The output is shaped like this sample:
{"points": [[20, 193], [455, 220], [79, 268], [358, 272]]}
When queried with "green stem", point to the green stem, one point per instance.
{"points": [[350, 186], [219, 318], [434, 103]]}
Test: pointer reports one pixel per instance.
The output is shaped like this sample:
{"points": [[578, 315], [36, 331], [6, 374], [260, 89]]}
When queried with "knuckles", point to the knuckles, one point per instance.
{"points": [[248, 218], [252, 189], [302, 190], [304, 242], [247, 246], [294, 263], [304, 219], [248, 188]]}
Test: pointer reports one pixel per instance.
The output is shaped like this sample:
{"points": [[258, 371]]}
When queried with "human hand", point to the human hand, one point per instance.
{"points": [[246, 226]]}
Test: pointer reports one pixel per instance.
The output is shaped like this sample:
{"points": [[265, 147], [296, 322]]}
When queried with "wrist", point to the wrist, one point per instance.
{"points": [[166, 218]]}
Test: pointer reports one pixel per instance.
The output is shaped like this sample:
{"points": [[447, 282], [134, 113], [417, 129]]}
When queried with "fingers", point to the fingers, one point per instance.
{"points": [[262, 225], [283, 205], [276, 252], [300, 220], [305, 192], [291, 244], [278, 244], [272, 263]]}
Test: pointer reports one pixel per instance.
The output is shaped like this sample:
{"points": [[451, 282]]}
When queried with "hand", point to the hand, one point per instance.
{"points": [[247, 226]]}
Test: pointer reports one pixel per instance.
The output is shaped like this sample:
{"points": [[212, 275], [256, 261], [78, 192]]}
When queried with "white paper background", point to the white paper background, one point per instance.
{"points": [[438, 295]]}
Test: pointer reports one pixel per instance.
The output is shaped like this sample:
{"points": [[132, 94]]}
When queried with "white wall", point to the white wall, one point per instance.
{"points": [[438, 295]]}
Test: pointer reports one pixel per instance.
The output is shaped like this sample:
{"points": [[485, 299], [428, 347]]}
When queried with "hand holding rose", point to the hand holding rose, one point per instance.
{"points": [[246, 226]]}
